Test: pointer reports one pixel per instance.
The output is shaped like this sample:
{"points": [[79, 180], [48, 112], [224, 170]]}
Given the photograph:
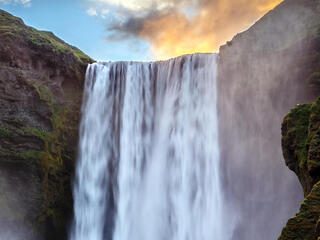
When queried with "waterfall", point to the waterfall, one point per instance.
{"points": [[148, 164]]}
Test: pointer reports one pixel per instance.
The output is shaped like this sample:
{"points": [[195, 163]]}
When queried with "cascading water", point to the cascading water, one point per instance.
{"points": [[149, 157]]}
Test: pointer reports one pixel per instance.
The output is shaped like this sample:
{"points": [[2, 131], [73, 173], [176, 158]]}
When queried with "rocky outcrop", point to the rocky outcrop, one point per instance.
{"points": [[263, 73], [301, 150], [306, 224], [41, 79], [301, 143]]}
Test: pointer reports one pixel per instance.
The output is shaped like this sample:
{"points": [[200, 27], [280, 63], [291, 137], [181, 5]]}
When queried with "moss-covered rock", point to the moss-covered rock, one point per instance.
{"points": [[305, 225], [13, 30], [41, 79], [301, 150], [301, 143]]}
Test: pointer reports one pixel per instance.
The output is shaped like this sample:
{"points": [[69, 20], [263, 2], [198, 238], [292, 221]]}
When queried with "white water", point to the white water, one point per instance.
{"points": [[149, 156]]}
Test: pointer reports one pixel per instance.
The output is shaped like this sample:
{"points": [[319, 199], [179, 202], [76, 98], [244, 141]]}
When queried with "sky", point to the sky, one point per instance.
{"points": [[141, 30]]}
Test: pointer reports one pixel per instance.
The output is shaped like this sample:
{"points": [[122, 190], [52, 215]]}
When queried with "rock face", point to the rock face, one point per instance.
{"points": [[263, 73], [41, 80], [301, 150], [301, 143]]}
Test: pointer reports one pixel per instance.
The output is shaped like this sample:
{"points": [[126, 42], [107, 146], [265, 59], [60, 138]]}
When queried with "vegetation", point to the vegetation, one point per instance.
{"points": [[47, 141], [301, 150], [35, 132], [13, 29], [32, 155], [57, 154], [4, 132], [305, 224], [294, 142]]}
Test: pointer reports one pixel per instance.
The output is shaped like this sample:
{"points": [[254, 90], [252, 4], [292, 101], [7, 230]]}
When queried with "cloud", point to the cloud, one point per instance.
{"points": [[26, 3], [92, 12], [105, 11], [139, 5], [23, 1], [175, 27]]}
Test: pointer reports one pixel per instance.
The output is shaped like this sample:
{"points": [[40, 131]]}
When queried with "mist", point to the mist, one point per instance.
{"points": [[262, 75]]}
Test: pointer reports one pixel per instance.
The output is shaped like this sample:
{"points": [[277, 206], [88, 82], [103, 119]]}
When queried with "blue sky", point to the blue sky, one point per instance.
{"points": [[141, 30], [70, 21]]}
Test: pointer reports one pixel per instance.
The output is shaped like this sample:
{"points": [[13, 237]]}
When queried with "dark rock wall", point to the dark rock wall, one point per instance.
{"points": [[264, 72], [41, 80]]}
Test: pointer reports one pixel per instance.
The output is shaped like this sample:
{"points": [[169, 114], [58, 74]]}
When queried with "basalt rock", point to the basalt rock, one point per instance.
{"points": [[41, 79]]}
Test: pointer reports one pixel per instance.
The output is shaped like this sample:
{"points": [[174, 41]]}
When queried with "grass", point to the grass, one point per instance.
{"points": [[13, 28]]}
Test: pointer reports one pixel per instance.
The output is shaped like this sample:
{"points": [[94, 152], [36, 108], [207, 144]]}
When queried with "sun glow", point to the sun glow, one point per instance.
{"points": [[175, 34], [269, 6], [178, 27]]}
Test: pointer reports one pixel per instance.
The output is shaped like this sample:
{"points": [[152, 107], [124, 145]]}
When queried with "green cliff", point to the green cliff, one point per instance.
{"points": [[301, 150], [41, 79]]}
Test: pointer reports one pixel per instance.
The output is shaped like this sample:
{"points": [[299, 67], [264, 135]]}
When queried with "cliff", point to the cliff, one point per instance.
{"points": [[263, 73], [301, 143], [301, 150], [41, 80]]}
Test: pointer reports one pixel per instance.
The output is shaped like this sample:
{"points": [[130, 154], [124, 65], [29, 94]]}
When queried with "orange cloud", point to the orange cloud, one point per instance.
{"points": [[215, 22]]}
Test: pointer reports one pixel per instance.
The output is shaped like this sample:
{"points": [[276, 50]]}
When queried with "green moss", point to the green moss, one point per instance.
{"points": [[57, 152], [4, 132], [54, 161], [295, 134], [303, 225], [301, 142], [44, 40], [35, 156], [45, 94], [35, 132], [301, 150], [15, 28]]}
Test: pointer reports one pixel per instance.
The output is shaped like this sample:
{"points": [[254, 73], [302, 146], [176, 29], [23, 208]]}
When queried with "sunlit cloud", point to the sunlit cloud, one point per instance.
{"points": [[139, 5], [269, 5], [176, 27]]}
